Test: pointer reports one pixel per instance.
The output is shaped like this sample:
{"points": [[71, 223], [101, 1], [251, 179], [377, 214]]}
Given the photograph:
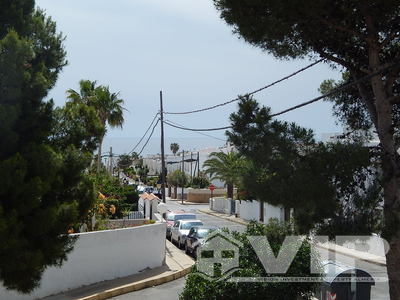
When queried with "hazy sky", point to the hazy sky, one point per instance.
{"points": [[139, 47]]}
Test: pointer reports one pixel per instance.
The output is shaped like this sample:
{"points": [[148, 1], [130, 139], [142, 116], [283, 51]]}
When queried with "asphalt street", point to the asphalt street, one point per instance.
{"points": [[166, 291]]}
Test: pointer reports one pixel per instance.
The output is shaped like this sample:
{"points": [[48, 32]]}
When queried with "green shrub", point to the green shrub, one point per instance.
{"points": [[130, 195], [122, 197]]}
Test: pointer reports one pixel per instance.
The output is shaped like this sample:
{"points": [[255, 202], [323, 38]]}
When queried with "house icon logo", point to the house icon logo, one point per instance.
{"points": [[219, 252]]}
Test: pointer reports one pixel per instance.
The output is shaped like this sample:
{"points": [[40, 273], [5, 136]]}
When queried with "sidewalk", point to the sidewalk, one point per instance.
{"points": [[231, 218], [364, 256], [176, 266], [179, 201]]}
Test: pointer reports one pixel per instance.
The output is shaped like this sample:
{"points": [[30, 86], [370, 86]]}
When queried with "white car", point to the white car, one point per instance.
{"points": [[173, 216], [181, 229]]}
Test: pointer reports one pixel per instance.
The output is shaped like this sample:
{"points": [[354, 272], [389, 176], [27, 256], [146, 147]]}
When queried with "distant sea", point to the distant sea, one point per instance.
{"points": [[122, 145]]}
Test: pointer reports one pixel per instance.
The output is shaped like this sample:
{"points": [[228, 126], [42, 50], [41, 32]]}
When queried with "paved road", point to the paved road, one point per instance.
{"points": [[166, 291], [208, 220]]}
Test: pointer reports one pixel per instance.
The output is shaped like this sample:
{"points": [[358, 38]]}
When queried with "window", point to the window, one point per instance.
{"points": [[202, 233], [185, 217], [189, 225]]}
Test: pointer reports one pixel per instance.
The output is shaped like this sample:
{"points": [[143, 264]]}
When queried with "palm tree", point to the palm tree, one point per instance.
{"points": [[86, 92], [175, 179], [108, 106], [174, 148], [225, 167]]}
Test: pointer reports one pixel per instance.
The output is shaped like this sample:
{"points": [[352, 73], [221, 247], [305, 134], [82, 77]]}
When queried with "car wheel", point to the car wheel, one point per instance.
{"points": [[179, 243]]}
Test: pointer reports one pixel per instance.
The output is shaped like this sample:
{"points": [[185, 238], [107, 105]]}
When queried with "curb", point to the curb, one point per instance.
{"points": [[336, 249], [132, 287], [223, 217], [346, 253]]}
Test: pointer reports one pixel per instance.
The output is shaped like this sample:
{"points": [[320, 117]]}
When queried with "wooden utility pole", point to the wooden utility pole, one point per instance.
{"points": [[198, 164], [191, 167], [183, 169], [183, 161], [110, 161], [162, 149]]}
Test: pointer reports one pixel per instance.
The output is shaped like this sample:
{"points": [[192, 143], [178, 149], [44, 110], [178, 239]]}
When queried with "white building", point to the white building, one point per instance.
{"points": [[192, 161]]}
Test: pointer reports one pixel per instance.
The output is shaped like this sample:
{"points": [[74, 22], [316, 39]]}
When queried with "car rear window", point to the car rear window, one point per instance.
{"points": [[189, 225], [201, 233], [184, 217]]}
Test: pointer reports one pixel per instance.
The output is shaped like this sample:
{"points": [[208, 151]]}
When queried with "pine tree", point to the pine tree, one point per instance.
{"points": [[359, 36], [43, 189]]}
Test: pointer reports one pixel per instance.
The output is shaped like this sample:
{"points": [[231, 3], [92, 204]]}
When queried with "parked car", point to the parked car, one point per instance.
{"points": [[170, 219], [149, 189], [181, 229], [175, 216], [196, 238]]}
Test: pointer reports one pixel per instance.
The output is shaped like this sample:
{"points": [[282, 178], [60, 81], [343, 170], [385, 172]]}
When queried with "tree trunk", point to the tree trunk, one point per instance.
{"points": [[229, 188], [175, 192], [169, 191], [391, 176], [99, 155]]}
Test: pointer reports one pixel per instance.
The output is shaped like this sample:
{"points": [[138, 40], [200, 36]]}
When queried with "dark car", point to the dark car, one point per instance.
{"points": [[149, 189], [195, 238]]}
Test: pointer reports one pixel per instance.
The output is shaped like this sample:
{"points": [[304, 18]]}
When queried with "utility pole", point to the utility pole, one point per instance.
{"points": [[198, 164], [191, 167], [183, 161], [183, 168], [111, 161], [162, 149]]}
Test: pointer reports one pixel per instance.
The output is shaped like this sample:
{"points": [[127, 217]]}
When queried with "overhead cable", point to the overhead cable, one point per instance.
{"points": [[148, 139], [332, 92], [247, 94], [151, 124]]}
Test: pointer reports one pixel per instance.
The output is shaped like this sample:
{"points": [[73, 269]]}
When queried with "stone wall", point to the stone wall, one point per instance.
{"points": [[203, 195]]}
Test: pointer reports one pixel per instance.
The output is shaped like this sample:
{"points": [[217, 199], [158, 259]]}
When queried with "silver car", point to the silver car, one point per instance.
{"points": [[181, 229], [173, 216]]}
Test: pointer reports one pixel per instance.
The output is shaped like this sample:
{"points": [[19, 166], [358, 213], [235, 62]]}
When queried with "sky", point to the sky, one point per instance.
{"points": [[139, 47]]}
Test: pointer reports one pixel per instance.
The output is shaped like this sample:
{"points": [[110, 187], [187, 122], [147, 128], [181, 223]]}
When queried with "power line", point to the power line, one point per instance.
{"points": [[192, 129], [151, 124], [148, 139], [247, 94], [208, 135], [332, 92], [336, 90]]}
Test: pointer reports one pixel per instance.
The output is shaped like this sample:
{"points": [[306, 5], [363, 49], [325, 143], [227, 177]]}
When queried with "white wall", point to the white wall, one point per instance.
{"points": [[275, 212], [249, 210], [146, 203], [220, 204], [102, 255]]}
